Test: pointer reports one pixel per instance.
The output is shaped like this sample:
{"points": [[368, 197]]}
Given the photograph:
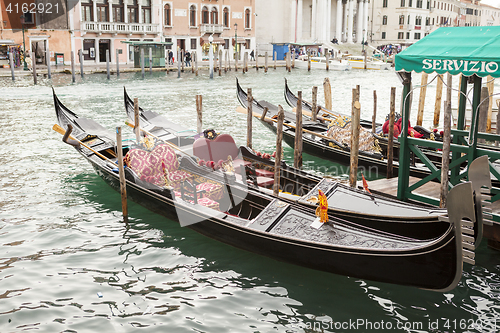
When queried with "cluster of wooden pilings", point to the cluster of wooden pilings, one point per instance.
{"points": [[222, 63]]}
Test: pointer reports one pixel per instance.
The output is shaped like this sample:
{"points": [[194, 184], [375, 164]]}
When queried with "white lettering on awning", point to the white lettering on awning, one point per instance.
{"points": [[460, 65]]}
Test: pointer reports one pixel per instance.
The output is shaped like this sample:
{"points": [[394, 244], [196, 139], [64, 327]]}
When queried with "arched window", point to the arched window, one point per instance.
{"points": [[247, 18], [401, 19], [204, 15], [214, 16], [168, 13], [192, 16], [225, 17]]}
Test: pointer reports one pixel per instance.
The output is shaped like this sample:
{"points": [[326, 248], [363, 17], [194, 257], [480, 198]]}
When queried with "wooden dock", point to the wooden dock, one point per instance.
{"points": [[389, 187]]}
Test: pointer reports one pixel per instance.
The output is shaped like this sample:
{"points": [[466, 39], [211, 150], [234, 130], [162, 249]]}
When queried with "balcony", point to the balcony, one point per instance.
{"points": [[211, 29], [119, 28]]}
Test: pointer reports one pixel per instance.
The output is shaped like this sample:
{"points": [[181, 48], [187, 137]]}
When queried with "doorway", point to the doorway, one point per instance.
{"points": [[103, 47]]}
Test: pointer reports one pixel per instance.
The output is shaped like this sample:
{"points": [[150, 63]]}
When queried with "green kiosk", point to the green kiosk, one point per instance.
{"points": [[473, 53], [157, 48]]}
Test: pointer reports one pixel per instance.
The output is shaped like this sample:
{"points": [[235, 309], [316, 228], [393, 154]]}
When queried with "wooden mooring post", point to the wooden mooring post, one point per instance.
{"points": [[236, 61], [11, 64], [374, 117], [245, 62], [279, 151], [196, 63], [293, 59], [265, 63], [327, 88], [249, 117], [220, 62], [107, 65], [309, 63], [445, 162], [47, 62], [199, 113], [390, 143], [297, 151], [137, 127], [314, 103], [356, 109], [179, 63], [275, 57], [121, 173], [181, 59], [118, 63], [439, 96], [72, 66], [256, 62], [490, 83], [421, 100], [327, 58], [33, 61], [150, 61], [142, 63], [81, 62]]}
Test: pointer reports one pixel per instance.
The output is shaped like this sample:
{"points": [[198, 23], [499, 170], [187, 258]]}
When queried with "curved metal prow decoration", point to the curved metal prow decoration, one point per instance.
{"points": [[461, 205], [479, 176], [70, 141]]}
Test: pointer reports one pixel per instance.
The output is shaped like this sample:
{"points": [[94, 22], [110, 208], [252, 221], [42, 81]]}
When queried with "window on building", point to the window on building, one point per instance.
{"points": [[102, 11], [226, 44], [420, 3], [401, 35], [418, 20], [146, 11], [132, 12], [417, 35], [384, 3], [401, 19], [427, 21], [408, 19], [118, 11], [247, 44], [168, 40], [225, 17], [428, 4], [87, 10], [214, 16], [204, 15], [383, 35], [168, 14], [192, 16], [384, 20], [410, 3], [408, 35], [402, 3], [247, 18], [193, 43]]}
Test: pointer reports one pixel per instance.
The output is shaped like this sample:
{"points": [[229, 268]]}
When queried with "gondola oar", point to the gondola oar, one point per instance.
{"points": [[61, 130]]}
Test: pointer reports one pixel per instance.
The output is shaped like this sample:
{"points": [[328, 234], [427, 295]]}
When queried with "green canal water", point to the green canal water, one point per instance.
{"points": [[68, 263]]}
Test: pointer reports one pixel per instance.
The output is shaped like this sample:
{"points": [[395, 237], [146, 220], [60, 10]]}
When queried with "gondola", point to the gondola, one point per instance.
{"points": [[371, 210], [281, 230], [321, 146]]}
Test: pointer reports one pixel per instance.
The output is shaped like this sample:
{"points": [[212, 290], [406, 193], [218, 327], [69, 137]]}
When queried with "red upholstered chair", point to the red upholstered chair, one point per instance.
{"points": [[218, 149]]}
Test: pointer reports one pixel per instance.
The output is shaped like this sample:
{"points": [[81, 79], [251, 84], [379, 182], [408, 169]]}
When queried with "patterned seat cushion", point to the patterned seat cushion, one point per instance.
{"points": [[148, 163]]}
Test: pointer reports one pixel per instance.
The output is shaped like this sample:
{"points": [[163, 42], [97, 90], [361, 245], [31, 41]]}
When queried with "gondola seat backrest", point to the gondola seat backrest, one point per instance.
{"points": [[149, 164], [218, 149]]}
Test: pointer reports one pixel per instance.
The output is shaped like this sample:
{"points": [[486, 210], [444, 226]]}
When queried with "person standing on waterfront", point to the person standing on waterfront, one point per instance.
{"points": [[187, 58], [170, 57], [252, 56]]}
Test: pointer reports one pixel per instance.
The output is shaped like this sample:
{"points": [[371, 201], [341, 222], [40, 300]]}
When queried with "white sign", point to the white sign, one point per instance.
{"points": [[460, 65], [180, 12], [237, 15]]}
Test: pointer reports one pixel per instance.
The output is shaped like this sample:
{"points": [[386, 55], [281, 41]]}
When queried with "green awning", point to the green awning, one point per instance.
{"points": [[466, 50]]}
